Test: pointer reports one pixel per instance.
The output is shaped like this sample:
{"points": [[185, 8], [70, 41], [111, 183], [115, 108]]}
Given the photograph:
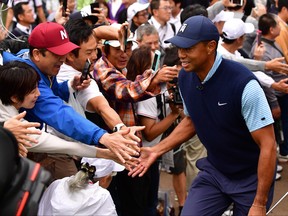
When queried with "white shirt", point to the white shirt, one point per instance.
{"points": [[176, 21], [25, 29], [58, 199], [38, 3], [67, 72], [226, 54], [165, 32], [263, 78], [48, 143], [148, 108]]}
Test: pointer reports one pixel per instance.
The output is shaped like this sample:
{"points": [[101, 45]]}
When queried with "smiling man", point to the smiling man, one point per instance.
{"points": [[226, 107]]}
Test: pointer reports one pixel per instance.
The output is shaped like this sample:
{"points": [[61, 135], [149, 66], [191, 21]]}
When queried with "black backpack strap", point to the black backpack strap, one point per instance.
{"points": [[160, 106], [174, 28], [244, 17], [273, 45]]}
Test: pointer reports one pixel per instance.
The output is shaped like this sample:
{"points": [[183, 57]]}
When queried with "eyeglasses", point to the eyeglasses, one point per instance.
{"points": [[165, 8], [143, 14]]}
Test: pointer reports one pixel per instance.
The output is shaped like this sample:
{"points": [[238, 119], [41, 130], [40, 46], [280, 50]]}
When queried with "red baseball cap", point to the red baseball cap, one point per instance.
{"points": [[53, 37]]}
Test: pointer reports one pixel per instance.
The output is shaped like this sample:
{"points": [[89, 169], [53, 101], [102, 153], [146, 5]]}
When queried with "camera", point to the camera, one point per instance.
{"points": [[176, 92]]}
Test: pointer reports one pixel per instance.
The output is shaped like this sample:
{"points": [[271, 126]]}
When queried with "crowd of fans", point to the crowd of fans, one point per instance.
{"points": [[76, 82]]}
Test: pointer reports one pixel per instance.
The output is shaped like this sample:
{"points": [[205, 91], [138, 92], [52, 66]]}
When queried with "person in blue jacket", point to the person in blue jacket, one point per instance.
{"points": [[48, 46], [225, 105]]}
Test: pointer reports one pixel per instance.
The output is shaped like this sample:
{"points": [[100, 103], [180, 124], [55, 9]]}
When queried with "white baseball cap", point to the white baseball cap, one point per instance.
{"points": [[134, 9], [235, 28], [223, 16], [104, 167]]}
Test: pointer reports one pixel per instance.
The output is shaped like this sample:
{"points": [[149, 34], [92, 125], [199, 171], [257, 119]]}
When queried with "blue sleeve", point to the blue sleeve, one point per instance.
{"points": [[255, 108], [61, 89], [51, 110]]}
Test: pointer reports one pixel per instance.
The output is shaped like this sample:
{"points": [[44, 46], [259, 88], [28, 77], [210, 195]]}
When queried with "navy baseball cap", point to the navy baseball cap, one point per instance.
{"points": [[194, 30]]}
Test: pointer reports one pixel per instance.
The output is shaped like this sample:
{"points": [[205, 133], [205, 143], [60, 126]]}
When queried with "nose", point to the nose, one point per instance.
{"points": [[38, 92], [94, 55], [155, 46], [62, 58]]}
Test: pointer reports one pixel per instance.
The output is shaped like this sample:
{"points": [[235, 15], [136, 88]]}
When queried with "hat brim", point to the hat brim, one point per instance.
{"points": [[63, 49], [93, 19], [182, 42], [116, 43], [118, 167], [248, 28]]}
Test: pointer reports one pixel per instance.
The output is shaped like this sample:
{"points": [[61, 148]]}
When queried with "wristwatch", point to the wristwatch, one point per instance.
{"points": [[118, 127]]}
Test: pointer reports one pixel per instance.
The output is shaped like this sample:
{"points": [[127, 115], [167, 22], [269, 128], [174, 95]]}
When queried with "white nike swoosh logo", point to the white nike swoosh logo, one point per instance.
{"points": [[221, 104]]}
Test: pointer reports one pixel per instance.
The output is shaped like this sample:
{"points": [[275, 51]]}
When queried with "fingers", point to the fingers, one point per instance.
{"points": [[280, 59], [138, 128], [20, 116], [130, 164], [139, 170], [135, 148], [132, 149], [133, 137], [31, 125], [81, 85], [26, 140], [119, 156], [22, 150], [84, 84]]}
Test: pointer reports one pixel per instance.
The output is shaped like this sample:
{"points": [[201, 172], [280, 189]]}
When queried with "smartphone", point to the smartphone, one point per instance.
{"points": [[85, 72], [237, 2], [64, 8], [94, 5], [156, 61], [258, 37], [125, 36]]}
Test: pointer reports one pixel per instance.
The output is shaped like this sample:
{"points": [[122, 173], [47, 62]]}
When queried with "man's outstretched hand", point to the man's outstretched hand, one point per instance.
{"points": [[147, 158], [122, 147]]}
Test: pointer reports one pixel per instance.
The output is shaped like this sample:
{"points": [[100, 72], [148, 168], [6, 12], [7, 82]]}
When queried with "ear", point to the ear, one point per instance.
{"points": [[271, 30], [20, 17], [14, 99], [211, 47], [36, 55], [155, 12], [70, 57]]}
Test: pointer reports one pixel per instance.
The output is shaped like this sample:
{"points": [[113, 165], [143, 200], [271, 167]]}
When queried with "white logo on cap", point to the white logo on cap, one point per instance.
{"points": [[84, 14], [183, 27], [63, 34]]}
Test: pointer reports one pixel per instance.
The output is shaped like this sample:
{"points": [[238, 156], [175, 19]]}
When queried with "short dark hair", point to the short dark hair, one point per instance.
{"points": [[41, 50], [204, 3], [16, 79], [227, 41], [171, 57], [155, 4], [281, 4], [178, 2], [78, 31], [18, 9], [266, 21], [193, 10]]}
